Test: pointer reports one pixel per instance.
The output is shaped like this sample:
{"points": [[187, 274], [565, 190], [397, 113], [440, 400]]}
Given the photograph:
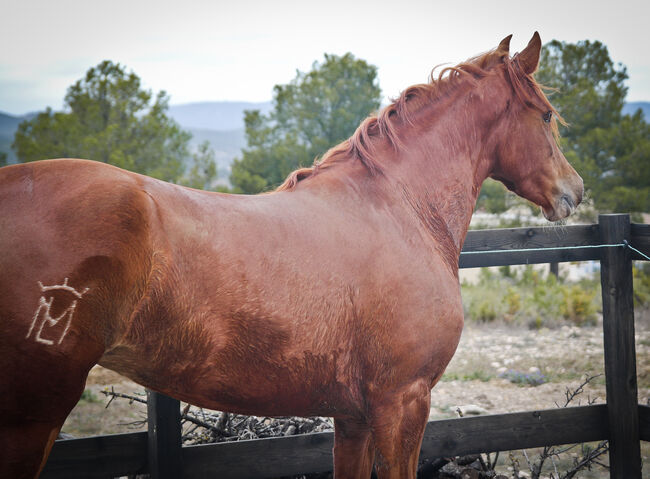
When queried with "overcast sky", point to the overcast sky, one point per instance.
{"points": [[238, 49]]}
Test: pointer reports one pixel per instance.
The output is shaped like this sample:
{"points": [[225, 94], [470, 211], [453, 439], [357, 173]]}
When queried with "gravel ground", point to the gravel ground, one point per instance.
{"points": [[561, 357]]}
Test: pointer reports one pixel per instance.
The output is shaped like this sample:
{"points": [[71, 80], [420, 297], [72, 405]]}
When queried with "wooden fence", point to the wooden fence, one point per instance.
{"points": [[621, 420]]}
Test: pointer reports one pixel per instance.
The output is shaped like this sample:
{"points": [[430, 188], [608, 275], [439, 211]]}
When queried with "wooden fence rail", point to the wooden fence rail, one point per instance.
{"points": [[620, 420]]}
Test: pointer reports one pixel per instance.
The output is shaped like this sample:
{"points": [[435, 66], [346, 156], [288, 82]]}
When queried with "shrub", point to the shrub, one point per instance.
{"points": [[89, 396], [484, 311], [520, 378], [641, 278], [530, 297], [513, 301], [578, 305]]}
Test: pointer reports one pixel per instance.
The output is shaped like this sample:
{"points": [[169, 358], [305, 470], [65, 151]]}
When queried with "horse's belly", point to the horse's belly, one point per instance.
{"points": [[247, 382]]}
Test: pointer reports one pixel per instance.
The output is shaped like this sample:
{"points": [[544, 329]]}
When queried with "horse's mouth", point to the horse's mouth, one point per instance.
{"points": [[564, 206]]}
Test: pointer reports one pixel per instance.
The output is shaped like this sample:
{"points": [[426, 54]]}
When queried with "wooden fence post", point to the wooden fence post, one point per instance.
{"points": [[620, 356], [164, 445]]}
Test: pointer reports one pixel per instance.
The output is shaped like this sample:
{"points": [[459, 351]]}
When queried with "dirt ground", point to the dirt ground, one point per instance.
{"points": [[473, 381]]}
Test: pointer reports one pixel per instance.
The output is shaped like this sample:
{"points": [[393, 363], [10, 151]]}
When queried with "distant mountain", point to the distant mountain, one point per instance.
{"points": [[221, 123], [632, 107], [227, 144], [215, 115]]}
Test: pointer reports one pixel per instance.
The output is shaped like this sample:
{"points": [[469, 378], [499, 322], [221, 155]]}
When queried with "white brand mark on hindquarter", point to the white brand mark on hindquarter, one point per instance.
{"points": [[45, 305]]}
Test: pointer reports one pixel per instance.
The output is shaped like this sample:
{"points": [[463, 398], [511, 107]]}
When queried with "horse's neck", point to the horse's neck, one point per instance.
{"points": [[440, 176]]}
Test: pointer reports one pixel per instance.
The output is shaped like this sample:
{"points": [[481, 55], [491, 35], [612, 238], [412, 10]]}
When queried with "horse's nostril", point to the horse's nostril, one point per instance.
{"points": [[568, 200]]}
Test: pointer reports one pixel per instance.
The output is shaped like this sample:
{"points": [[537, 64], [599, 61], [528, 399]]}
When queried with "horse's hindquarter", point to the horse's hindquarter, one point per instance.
{"points": [[73, 237], [282, 304]]}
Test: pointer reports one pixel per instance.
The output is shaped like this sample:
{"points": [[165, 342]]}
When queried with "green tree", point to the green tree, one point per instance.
{"points": [[611, 151], [590, 87], [3, 158], [315, 111], [492, 197], [203, 171], [109, 117]]}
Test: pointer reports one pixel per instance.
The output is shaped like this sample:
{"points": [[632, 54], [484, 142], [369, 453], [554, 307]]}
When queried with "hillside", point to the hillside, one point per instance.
{"points": [[227, 144], [215, 115]]}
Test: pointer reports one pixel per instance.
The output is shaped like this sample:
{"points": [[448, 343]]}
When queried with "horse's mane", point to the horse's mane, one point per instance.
{"points": [[414, 101]]}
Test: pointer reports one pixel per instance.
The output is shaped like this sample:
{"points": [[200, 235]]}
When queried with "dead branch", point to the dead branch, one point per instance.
{"points": [[114, 395]]}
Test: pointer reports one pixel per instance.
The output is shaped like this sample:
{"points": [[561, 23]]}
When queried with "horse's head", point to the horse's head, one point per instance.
{"points": [[528, 159]]}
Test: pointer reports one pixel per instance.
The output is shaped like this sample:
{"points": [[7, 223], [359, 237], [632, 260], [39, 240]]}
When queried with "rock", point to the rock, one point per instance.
{"points": [[470, 474], [454, 471], [469, 410]]}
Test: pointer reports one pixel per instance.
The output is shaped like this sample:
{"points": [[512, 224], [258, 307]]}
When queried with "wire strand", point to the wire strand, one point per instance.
{"points": [[624, 244]]}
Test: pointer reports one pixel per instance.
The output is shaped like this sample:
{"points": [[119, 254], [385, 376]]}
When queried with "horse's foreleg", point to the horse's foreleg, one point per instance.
{"points": [[354, 451], [398, 425]]}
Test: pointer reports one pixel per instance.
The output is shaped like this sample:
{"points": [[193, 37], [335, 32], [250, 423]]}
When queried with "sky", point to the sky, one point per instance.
{"points": [[237, 50]]}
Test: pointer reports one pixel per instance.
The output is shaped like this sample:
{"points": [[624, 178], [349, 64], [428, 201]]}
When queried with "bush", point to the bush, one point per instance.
{"points": [[529, 297], [578, 305], [89, 396], [534, 378], [513, 301], [641, 279], [484, 311]]}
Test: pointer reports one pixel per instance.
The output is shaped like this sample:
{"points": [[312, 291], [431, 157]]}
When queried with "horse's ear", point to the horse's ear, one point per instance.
{"points": [[529, 57], [504, 46]]}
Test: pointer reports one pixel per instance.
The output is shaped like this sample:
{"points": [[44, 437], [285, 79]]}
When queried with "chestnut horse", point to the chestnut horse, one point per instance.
{"points": [[336, 295]]}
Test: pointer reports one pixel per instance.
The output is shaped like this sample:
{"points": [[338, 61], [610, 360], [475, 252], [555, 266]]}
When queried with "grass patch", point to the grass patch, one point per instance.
{"points": [[527, 296], [89, 396], [470, 376]]}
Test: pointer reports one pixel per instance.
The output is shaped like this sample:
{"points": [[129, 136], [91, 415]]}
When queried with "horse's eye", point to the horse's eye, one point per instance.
{"points": [[547, 116]]}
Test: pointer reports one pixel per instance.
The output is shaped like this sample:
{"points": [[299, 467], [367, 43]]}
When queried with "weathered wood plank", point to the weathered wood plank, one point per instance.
{"points": [[126, 453], [267, 458], [164, 432], [640, 239], [640, 231], [98, 457], [620, 357], [503, 240], [260, 458], [644, 423], [503, 258], [531, 237], [505, 432]]}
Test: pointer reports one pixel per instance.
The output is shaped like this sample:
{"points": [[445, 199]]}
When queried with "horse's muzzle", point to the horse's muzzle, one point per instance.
{"points": [[566, 202]]}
